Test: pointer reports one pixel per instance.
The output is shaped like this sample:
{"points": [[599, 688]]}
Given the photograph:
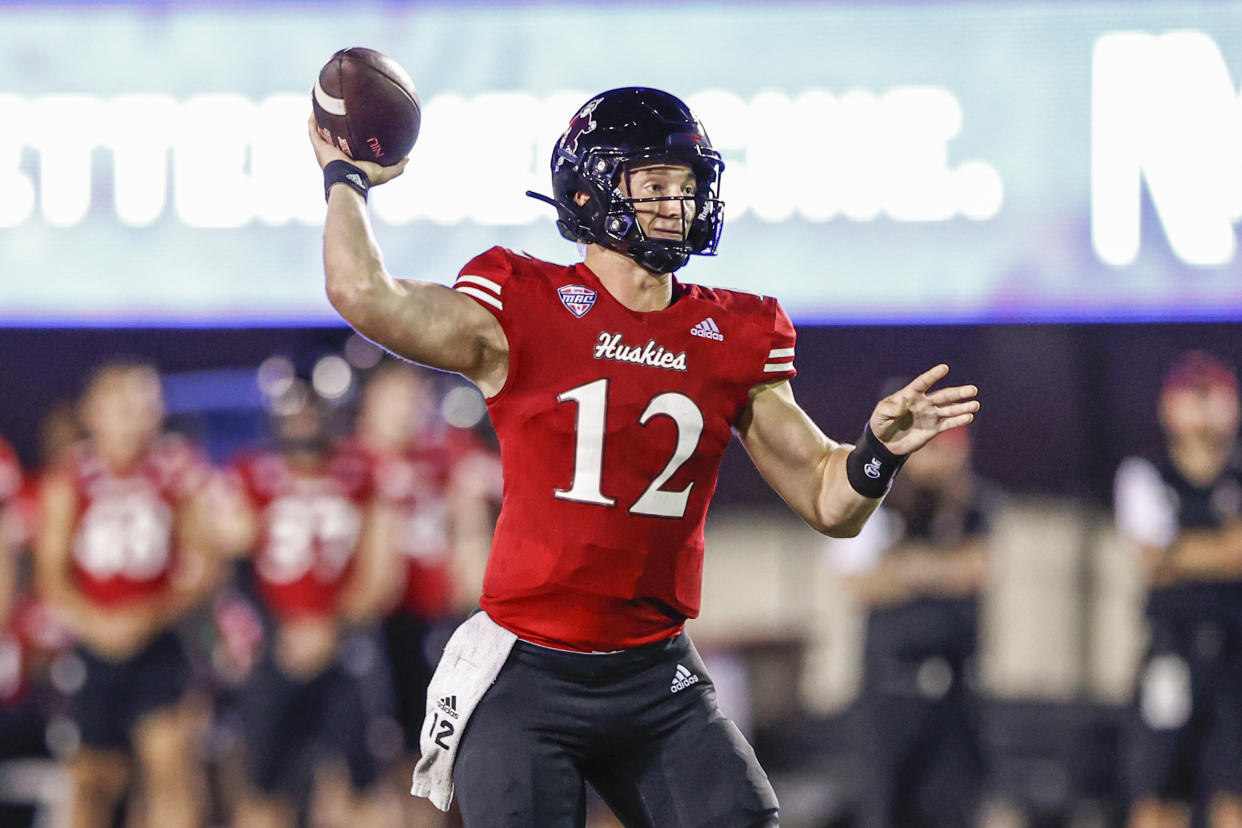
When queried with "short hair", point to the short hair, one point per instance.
{"points": [[1198, 371], [113, 366]]}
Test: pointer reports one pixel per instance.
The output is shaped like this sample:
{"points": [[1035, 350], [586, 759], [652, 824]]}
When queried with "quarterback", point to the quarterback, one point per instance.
{"points": [[614, 389]]}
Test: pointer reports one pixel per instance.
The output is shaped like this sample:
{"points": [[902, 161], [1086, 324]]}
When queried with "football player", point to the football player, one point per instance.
{"points": [[301, 513], [614, 388], [1181, 509], [916, 570], [435, 487], [121, 554], [21, 722]]}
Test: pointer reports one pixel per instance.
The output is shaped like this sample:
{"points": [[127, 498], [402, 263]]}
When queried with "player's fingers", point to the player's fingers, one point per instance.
{"points": [[956, 422], [954, 394], [927, 379], [951, 411], [381, 175]]}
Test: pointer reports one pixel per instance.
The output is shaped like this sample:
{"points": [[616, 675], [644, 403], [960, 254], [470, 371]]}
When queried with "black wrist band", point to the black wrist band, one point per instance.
{"points": [[871, 467], [343, 172]]}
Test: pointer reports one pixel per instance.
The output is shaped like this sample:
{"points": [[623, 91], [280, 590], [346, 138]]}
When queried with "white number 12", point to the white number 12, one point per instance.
{"points": [[592, 400]]}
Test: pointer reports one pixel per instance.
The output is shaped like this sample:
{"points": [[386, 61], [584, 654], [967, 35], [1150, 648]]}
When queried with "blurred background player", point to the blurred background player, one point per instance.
{"points": [[121, 555], [435, 489], [21, 720], [10, 486], [301, 515], [916, 571], [1181, 508], [30, 638]]}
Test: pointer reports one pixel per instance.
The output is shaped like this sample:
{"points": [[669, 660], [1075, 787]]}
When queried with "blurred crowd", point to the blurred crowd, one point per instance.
{"points": [[240, 641], [933, 747], [246, 639]]}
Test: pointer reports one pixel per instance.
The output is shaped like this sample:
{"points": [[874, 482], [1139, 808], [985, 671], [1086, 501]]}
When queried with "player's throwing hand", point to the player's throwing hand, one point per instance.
{"points": [[326, 153], [907, 419]]}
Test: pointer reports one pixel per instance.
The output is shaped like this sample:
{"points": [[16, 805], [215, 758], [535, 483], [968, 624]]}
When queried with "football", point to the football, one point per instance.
{"points": [[366, 105]]}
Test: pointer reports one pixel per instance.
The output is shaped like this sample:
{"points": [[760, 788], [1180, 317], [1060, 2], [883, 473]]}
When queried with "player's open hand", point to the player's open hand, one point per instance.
{"points": [[907, 419], [325, 152]]}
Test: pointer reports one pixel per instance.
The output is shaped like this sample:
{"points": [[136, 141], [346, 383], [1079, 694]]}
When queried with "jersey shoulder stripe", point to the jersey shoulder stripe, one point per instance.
{"points": [[486, 277], [769, 319]]}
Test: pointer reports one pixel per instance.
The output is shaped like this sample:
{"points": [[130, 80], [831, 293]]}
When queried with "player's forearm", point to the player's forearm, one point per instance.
{"points": [[374, 583], [79, 615], [353, 265], [54, 586], [931, 569], [370, 592], [801, 463], [839, 510], [882, 587], [199, 577], [1206, 555]]}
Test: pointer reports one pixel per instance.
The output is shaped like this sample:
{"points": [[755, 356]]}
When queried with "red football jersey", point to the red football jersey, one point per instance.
{"points": [[309, 529], [612, 424], [124, 546], [417, 482]]}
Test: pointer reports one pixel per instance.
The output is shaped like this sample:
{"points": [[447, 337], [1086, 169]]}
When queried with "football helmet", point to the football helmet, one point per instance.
{"points": [[610, 135]]}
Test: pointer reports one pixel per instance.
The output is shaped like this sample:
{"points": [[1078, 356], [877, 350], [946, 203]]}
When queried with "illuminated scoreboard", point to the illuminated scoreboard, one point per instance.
{"points": [[884, 163]]}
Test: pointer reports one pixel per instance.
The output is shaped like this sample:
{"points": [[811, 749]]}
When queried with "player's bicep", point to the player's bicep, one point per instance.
{"points": [[433, 325], [783, 442], [775, 424]]}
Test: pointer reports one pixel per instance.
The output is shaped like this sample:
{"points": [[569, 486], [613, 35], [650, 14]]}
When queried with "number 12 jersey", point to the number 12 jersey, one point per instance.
{"points": [[611, 425]]}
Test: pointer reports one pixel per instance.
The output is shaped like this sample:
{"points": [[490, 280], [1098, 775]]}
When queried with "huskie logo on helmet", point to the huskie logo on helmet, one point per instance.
{"points": [[575, 129], [611, 134]]}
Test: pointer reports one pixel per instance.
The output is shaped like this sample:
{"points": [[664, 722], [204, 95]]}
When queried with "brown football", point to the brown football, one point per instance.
{"points": [[366, 104]]}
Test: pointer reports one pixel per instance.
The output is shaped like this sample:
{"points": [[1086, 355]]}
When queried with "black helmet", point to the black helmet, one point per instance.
{"points": [[609, 134]]}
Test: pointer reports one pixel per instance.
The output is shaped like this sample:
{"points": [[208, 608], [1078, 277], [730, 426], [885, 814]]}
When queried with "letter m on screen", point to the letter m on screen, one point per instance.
{"points": [[1166, 115]]}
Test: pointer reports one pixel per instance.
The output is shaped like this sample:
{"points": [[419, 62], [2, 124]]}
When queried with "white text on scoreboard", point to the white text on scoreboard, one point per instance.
{"points": [[225, 160]]}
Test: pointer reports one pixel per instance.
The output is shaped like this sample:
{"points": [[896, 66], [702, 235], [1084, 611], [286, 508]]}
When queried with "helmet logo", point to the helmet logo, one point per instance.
{"points": [[578, 299], [575, 129]]}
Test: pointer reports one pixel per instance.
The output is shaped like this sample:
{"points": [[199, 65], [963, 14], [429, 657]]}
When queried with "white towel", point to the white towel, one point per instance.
{"points": [[472, 659]]}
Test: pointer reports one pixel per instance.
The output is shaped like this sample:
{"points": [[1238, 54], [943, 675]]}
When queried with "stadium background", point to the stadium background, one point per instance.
{"points": [[1043, 194]]}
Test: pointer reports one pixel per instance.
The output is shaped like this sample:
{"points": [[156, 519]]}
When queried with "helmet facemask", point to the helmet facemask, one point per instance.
{"points": [[616, 225]]}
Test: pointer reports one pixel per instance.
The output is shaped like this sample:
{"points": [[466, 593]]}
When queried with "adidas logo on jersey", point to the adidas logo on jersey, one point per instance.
{"points": [[708, 330], [682, 679], [448, 706]]}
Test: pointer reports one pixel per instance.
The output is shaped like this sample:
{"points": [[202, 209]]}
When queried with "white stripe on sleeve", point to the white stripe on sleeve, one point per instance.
{"points": [[481, 296], [775, 353], [481, 282], [778, 366]]}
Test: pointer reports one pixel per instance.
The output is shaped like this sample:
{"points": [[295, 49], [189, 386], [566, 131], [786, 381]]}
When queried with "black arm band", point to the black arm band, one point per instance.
{"points": [[871, 467], [343, 172]]}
